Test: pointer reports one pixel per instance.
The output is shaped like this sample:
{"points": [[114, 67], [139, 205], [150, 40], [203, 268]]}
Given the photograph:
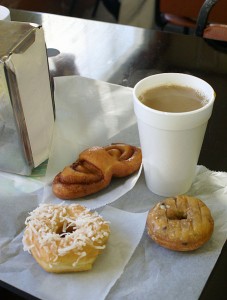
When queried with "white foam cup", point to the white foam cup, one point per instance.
{"points": [[4, 13], [171, 142]]}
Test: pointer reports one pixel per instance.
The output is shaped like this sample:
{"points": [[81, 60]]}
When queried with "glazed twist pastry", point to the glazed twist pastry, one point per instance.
{"points": [[94, 170]]}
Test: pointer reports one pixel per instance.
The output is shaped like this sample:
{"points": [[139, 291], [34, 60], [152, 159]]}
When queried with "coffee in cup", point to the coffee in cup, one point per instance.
{"points": [[173, 98]]}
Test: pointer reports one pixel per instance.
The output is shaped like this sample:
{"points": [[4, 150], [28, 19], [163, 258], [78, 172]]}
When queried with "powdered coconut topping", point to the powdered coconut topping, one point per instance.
{"points": [[60, 229]]}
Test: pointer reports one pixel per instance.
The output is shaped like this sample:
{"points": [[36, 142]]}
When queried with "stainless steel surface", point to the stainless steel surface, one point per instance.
{"points": [[91, 49]]}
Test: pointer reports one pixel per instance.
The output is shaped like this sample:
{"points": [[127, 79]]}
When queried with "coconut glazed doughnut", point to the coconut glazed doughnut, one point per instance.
{"points": [[180, 223], [65, 238]]}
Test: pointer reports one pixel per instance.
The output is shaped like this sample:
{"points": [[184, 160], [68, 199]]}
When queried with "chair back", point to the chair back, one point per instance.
{"points": [[185, 12], [204, 28]]}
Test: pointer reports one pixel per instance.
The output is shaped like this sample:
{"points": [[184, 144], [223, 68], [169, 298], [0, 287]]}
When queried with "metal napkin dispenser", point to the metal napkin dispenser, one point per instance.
{"points": [[26, 101]]}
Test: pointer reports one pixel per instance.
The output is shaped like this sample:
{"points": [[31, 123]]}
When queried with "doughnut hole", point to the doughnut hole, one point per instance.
{"points": [[68, 229]]}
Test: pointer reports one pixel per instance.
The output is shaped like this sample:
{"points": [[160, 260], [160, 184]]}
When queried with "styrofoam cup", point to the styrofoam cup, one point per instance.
{"points": [[4, 13], [171, 142]]}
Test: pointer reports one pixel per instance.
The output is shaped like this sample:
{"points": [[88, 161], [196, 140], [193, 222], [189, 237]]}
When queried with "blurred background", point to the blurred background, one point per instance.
{"points": [[174, 15], [168, 15]]}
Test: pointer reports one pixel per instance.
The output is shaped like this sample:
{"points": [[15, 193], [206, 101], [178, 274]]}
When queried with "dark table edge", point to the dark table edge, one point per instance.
{"points": [[16, 292], [216, 285]]}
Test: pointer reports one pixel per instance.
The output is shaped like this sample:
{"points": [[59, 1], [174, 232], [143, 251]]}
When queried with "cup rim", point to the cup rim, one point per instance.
{"points": [[6, 13], [204, 107]]}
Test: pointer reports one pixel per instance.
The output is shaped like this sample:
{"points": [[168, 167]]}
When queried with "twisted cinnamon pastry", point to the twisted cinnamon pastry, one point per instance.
{"points": [[94, 170]]}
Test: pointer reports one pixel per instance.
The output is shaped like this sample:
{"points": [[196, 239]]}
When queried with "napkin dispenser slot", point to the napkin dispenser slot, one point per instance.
{"points": [[26, 98]]}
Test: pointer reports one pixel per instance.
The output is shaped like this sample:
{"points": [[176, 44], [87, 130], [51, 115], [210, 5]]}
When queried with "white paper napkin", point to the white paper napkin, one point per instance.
{"points": [[160, 273], [19, 269]]}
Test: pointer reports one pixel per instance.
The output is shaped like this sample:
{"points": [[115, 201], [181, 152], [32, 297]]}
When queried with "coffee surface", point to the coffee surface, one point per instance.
{"points": [[173, 98]]}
